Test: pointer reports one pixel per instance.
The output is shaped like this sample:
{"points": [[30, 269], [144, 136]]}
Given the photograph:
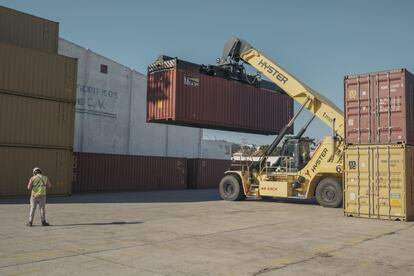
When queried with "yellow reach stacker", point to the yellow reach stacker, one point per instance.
{"points": [[295, 174]]}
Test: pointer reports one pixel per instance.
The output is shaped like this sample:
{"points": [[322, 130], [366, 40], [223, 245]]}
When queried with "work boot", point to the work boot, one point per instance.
{"points": [[44, 223], [29, 224]]}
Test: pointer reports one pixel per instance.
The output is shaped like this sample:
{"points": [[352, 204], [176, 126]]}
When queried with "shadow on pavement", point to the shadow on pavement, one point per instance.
{"points": [[127, 197], [311, 201], [100, 223]]}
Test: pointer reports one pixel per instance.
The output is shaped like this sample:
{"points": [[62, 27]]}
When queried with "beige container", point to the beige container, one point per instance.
{"points": [[37, 74], [28, 31], [378, 181], [36, 122], [16, 165]]}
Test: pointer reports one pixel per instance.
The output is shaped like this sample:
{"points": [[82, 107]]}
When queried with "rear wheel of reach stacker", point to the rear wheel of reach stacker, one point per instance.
{"points": [[329, 192], [231, 189]]}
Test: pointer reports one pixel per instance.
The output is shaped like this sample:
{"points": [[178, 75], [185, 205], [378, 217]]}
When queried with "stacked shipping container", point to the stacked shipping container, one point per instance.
{"points": [[379, 114], [205, 173], [37, 74], [114, 173], [28, 31], [379, 108], [96, 172], [379, 181], [37, 97], [17, 163]]}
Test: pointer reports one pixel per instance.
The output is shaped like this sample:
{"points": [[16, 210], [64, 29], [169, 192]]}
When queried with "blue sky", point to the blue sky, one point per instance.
{"points": [[317, 41]]}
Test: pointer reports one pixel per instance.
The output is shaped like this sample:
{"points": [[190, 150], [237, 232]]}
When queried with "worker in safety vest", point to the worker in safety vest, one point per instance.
{"points": [[37, 184]]}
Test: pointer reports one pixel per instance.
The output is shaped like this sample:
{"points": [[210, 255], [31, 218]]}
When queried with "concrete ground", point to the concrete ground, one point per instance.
{"points": [[193, 232]]}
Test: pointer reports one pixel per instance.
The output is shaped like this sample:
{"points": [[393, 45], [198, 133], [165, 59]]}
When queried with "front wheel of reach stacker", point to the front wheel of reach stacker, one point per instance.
{"points": [[329, 192], [230, 188]]}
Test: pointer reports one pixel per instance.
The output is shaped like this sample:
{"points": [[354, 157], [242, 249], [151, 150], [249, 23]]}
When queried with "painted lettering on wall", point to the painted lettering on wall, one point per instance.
{"points": [[96, 101]]}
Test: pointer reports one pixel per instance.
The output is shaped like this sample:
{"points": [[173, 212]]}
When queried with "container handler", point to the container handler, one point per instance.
{"points": [[295, 174]]}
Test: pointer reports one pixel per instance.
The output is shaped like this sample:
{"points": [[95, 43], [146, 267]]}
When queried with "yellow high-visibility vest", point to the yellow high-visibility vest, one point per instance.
{"points": [[39, 183]]}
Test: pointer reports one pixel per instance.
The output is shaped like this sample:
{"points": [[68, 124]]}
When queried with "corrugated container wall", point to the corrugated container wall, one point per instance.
{"points": [[37, 74], [115, 173], [37, 98], [379, 107], [379, 181], [28, 31], [16, 165], [35, 122], [179, 94], [205, 173]]}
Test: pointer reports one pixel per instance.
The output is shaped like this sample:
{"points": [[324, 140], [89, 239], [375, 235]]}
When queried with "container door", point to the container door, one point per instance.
{"points": [[409, 183], [409, 108], [358, 181], [192, 172], [389, 180], [389, 109], [366, 181], [358, 110]]}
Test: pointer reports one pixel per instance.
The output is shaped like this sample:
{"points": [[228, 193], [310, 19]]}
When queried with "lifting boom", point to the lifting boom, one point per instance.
{"points": [[237, 49]]}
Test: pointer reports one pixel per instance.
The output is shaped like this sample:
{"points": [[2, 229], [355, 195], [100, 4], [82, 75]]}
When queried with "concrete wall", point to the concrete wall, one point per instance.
{"points": [[215, 149], [111, 112]]}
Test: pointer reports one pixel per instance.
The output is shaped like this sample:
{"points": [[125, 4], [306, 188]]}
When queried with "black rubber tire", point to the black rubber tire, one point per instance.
{"points": [[230, 188], [329, 192]]}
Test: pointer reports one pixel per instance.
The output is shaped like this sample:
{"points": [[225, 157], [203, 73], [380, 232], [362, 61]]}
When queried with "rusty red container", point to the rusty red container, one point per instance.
{"points": [[183, 93], [115, 173], [379, 107], [205, 173]]}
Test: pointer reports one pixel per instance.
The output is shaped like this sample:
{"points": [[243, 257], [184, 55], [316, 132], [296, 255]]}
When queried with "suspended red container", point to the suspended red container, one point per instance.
{"points": [[187, 94]]}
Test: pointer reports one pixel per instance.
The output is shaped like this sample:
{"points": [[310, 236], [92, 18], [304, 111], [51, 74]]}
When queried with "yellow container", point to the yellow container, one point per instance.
{"points": [[37, 74], [378, 181], [16, 165], [28, 31], [36, 122]]}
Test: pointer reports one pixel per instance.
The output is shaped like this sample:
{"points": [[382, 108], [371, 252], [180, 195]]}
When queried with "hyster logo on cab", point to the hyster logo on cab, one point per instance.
{"points": [[270, 69], [319, 160]]}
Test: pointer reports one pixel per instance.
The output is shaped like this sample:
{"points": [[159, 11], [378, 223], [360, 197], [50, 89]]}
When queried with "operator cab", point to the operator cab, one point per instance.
{"points": [[295, 154]]}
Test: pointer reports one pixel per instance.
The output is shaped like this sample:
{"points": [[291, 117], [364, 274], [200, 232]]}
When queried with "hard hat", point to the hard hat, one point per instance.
{"points": [[36, 169]]}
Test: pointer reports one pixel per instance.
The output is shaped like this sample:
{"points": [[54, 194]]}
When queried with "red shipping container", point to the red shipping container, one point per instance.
{"points": [[205, 173], [115, 173], [379, 107], [181, 93]]}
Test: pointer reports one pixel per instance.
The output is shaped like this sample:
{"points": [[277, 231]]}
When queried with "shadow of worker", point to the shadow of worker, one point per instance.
{"points": [[100, 223]]}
